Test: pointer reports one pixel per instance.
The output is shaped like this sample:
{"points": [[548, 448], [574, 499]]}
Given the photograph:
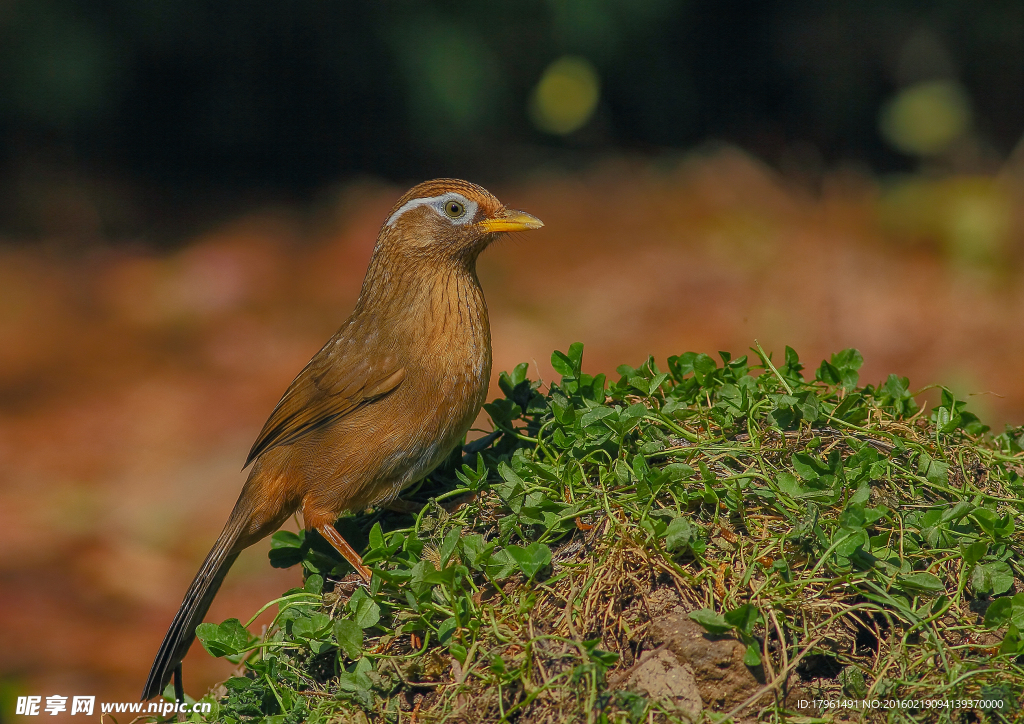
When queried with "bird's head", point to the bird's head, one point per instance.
{"points": [[450, 219]]}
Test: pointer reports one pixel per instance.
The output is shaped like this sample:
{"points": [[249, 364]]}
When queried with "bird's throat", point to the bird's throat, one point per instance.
{"points": [[437, 305]]}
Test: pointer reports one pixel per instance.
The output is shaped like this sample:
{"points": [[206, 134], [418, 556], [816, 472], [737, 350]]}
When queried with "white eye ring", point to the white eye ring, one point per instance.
{"points": [[441, 204], [453, 209]]}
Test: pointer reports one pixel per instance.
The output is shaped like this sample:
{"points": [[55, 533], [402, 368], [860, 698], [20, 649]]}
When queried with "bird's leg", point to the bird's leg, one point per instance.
{"points": [[347, 552]]}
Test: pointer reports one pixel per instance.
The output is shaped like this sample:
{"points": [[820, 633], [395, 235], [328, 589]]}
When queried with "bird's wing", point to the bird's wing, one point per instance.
{"points": [[329, 388]]}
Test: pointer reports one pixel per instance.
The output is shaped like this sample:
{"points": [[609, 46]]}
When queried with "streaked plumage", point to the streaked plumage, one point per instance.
{"points": [[382, 403]]}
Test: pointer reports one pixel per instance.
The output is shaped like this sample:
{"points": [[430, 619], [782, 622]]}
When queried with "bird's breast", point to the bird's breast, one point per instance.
{"points": [[448, 344], [456, 341], [440, 337]]}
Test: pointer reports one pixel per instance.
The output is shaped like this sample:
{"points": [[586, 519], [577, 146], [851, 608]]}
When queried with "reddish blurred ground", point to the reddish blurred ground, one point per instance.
{"points": [[132, 383]]}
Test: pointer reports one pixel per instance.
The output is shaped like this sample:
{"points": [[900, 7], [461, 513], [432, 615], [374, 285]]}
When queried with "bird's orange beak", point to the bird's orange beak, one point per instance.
{"points": [[511, 220]]}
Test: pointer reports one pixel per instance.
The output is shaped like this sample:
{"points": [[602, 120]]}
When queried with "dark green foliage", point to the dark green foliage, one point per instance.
{"points": [[780, 510]]}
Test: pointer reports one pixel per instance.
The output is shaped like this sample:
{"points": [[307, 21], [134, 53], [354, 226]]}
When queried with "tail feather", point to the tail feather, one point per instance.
{"points": [[196, 603]]}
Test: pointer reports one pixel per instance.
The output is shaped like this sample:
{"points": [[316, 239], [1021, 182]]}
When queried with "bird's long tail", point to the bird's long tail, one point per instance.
{"points": [[193, 608]]}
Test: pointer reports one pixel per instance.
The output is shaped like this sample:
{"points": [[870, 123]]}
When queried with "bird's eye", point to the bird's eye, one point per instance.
{"points": [[454, 209]]}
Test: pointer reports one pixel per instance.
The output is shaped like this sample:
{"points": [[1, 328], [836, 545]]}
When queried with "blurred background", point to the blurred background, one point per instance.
{"points": [[190, 191]]}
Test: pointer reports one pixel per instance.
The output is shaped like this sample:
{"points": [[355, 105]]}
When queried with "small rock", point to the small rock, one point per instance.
{"points": [[722, 679], [660, 676]]}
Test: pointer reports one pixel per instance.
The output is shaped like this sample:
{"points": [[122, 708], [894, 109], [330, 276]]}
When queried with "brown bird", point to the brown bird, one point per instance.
{"points": [[381, 404]]}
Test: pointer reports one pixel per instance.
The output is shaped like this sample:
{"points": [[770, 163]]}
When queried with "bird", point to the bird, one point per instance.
{"points": [[383, 402]]}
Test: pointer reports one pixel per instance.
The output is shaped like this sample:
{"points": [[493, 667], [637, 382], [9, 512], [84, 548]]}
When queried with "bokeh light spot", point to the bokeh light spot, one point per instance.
{"points": [[925, 118], [566, 95]]}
